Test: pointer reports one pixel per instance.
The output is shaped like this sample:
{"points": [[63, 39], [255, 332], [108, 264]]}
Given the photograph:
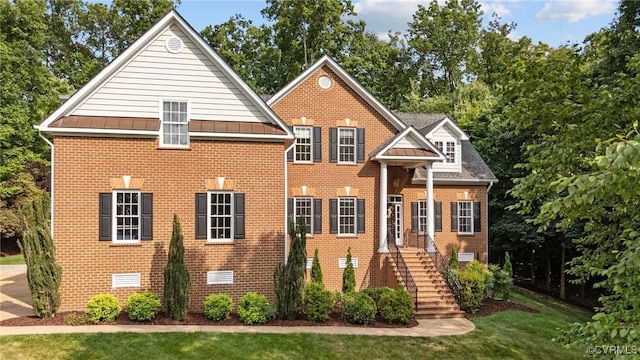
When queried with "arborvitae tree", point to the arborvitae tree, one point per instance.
{"points": [[43, 274], [507, 264], [176, 276], [348, 276], [316, 270], [453, 261], [289, 278]]}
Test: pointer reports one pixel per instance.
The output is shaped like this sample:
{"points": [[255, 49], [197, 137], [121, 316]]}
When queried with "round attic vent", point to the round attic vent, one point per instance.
{"points": [[173, 44], [324, 82]]}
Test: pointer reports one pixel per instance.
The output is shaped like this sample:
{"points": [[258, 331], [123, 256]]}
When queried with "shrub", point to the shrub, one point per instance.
{"points": [[254, 308], [376, 293], [358, 308], [502, 282], [316, 270], [453, 261], [75, 319], [217, 307], [487, 276], [348, 276], [396, 306], [289, 279], [318, 302], [337, 300], [142, 306], [102, 307], [472, 293], [507, 264], [489, 285], [176, 276]]}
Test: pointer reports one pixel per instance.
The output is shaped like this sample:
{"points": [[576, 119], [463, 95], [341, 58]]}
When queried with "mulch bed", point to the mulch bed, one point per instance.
{"points": [[489, 307]]}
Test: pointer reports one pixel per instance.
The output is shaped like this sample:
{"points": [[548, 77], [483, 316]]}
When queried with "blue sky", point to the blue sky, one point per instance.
{"points": [[555, 22]]}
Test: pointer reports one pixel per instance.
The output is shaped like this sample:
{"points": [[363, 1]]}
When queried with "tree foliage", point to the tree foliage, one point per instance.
{"points": [[289, 278], [316, 270], [348, 275], [176, 276]]}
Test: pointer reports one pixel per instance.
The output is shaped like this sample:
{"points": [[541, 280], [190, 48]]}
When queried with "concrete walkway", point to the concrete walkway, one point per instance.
{"points": [[15, 301]]}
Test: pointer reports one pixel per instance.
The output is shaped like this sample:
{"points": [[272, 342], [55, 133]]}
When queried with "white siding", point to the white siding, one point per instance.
{"points": [[445, 134], [408, 142], [156, 74]]}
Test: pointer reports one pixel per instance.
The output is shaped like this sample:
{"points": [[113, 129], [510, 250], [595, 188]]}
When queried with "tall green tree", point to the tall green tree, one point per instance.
{"points": [[348, 275], [316, 270], [289, 278], [176, 276]]}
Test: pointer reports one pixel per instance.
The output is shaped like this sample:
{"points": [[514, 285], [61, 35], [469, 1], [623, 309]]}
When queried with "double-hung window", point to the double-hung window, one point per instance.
{"points": [[346, 216], [448, 148], [422, 216], [303, 209], [465, 217], [127, 216], [220, 216], [175, 124], [304, 140], [347, 145]]}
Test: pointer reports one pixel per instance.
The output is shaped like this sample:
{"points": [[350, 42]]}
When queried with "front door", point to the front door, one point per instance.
{"points": [[394, 202]]}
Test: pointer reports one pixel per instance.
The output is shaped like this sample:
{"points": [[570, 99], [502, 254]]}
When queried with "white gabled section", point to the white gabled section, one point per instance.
{"points": [[453, 128], [447, 132], [349, 80], [409, 138], [144, 73]]}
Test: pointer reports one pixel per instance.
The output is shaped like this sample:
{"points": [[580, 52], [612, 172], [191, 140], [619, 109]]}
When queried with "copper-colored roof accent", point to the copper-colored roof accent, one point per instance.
{"points": [[234, 127], [409, 152], [101, 122]]}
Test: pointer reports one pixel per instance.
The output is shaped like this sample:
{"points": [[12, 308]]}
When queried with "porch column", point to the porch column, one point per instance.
{"points": [[431, 226], [383, 208]]}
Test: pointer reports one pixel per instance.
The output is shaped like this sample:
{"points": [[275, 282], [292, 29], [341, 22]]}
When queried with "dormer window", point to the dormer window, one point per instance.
{"points": [[174, 131], [449, 150]]}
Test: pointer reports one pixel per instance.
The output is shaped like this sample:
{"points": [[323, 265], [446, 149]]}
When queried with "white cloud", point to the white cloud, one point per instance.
{"points": [[384, 15], [575, 10], [497, 7]]}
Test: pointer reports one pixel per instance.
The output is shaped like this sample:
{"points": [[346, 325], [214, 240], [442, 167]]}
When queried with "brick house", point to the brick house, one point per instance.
{"points": [[169, 128]]}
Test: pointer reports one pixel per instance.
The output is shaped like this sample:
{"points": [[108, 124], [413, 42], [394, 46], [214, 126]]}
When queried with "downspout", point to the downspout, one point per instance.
{"points": [[52, 172], [487, 242], [286, 210]]}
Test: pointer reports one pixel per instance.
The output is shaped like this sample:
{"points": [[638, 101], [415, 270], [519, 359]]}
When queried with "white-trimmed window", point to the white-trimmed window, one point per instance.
{"points": [[465, 217], [220, 216], [347, 216], [448, 148], [303, 208], [422, 216], [126, 210], [304, 140], [175, 124], [347, 145]]}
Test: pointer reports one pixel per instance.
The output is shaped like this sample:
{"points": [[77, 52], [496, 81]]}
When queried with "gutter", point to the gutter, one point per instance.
{"points": [[286, 210], [52, 182]]}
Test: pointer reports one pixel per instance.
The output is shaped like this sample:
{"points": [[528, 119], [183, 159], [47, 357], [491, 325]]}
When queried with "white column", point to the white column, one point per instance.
{"points": [[431, 225], [383, 208]]}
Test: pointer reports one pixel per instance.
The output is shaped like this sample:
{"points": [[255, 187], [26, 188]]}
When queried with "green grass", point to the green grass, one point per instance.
{"points": [[506, 335], [12, 260]]}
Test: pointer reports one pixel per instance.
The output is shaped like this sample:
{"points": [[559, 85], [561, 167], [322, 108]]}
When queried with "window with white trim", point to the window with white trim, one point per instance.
{"points": [[303, 208], [175, 124], [347, 145], [465, 217], [126, 210], [422, 216], [304, 140], [220, 216], [346, 216], [449, 151]]}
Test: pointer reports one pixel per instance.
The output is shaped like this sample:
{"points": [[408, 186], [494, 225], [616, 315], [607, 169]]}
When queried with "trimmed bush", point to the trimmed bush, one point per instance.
{"points": [[453, 261], [349, 275], [502, 282], [473, 284], [142, 306], [75, 319], [507, 264], [318, 302], [254, 308], [102, 307], [217, 307], [316, 270], [337, 300], [396, 306], [376, 293], [358, 308], [487, 276]]}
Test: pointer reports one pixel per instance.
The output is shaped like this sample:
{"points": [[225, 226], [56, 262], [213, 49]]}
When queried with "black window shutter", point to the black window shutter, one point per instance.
{"points": [[239, 216], [333, 145], [360, 147], [477, 223], [317, 216], [147, 216], [289, 209], [105, 217], [414, 217], [317, 144], [360, 219], [438, 219], [333, 216], [201, 216], [454, 217]]}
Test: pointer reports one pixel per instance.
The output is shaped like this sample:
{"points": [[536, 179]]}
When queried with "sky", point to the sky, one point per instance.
{"points": [[554, 22]]}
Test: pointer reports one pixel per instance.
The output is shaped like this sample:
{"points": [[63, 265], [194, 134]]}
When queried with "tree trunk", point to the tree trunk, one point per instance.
{"points": [[548, 275], [533, 267], [563, 289]]}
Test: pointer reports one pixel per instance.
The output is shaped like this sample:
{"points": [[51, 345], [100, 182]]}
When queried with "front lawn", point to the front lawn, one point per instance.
{"points": [[12, 260], [510, 334]]}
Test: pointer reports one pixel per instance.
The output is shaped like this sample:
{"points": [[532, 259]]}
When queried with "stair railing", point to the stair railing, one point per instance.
{"points": [[403, 269], [442, 265]]}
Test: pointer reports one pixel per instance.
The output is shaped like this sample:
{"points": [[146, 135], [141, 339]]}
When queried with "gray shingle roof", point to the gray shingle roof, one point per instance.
{"points": [[423, 122]]}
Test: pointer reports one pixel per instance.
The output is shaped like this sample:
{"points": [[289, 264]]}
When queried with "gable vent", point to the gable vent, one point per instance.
{"points": [[219, 277], [174, 44], [342, 262], [125, 280]]}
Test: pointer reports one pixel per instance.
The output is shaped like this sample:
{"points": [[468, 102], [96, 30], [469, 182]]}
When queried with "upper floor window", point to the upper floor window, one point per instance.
{"points": [[175, 124], [449, 150], [346, 145], [304, 140]]}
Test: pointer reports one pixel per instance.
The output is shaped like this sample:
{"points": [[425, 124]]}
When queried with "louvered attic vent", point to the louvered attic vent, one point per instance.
{"points": [[125, 280], [174, 45], [219, 277]]}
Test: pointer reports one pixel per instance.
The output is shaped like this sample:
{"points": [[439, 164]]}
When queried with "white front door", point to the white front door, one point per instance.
{"points": [[395, 222]]}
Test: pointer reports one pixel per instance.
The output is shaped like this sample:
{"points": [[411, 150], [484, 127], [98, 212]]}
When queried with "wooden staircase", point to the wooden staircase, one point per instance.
{"points": [[435, 301]]}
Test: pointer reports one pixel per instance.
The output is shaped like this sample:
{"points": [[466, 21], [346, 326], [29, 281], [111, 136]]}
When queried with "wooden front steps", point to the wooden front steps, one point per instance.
{"points": [[435, 301]]}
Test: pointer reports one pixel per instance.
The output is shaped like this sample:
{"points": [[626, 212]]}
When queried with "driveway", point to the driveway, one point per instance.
{"points": [[15, 296]]}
